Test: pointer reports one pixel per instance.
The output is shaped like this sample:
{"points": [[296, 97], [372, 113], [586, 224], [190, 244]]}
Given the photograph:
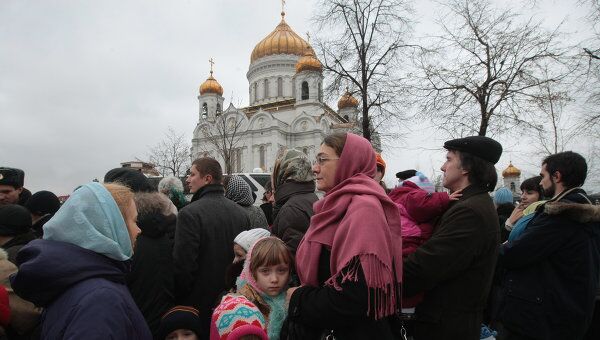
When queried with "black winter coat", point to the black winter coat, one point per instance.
{"points": [[292, 212], [318, 309], [151, 278], [552, 270], [454, 268], [204, 248]]}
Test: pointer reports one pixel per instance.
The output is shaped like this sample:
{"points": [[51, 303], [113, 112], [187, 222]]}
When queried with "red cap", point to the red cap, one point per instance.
{"points": [[380, 162]]}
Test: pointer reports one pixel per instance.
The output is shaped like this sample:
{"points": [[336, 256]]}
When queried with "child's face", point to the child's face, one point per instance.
{"points": [[239, 252], [182, 334], [272, 279]]}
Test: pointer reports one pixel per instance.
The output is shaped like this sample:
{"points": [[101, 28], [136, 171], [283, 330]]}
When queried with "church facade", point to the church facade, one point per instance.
{"points": [[286, 108]]}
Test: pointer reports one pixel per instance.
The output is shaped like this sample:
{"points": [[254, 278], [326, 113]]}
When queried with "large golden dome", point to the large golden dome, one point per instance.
{"points": [[347, 100], [511, 171], [211, 85], [309, 62], [281, 41]]}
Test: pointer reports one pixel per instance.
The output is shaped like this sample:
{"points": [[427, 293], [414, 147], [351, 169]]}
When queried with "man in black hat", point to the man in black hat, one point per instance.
{"points": [[11, 185], [454, 268]]}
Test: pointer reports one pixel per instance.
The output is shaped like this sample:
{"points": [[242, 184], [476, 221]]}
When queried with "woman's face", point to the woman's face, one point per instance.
{"points": [[325, 167], [131, 222], [528, 197], [239, 252]]}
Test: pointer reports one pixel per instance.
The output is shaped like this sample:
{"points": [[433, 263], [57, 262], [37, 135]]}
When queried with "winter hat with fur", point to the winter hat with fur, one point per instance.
{"points": [[248, 237], [236, 317]]}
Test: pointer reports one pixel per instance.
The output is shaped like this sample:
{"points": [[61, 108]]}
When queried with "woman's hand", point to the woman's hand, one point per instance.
{"points": [[516, 214], [456, 195]]}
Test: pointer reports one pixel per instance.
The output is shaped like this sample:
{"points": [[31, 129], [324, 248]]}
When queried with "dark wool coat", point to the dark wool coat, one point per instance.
{"points": [[454, 268], [552, 270], [204, 248], [15, 244], [83, 292], [313, 310], [151, 279], [292, 212]]}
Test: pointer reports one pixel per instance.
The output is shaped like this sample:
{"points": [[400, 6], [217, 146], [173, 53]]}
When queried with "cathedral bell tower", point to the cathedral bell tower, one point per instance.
{"points": [[308, 80], [211, 98]]}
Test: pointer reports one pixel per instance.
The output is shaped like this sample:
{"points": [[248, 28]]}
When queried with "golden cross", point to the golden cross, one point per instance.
{"points": [[308, 37], [211, 62], [282, 6]]}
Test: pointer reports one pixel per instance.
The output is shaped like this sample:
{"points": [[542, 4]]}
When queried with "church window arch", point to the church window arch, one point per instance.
{"points": [[347, 118], [204, 110], [255, 91], [279, 87], [513, 187], [320, 93], [305, 151], [219, 109], [304, 90], [266, 88]]}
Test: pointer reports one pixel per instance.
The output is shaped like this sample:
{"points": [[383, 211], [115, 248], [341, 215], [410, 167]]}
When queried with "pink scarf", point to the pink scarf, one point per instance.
{"points": [[359, 223]]}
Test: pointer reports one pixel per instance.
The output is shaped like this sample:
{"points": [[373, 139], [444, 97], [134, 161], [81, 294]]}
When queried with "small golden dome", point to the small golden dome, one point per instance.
{"points": [[211, 85], [347, 100], [281, 41], [308, 62], [511, 171]]}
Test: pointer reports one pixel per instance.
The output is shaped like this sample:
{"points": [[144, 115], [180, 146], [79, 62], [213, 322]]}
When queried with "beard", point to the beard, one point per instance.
{"points": [[549, 192]]}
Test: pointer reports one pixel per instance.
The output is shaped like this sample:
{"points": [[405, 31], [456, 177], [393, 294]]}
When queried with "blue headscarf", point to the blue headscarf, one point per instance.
{"points": [[91, 219]]}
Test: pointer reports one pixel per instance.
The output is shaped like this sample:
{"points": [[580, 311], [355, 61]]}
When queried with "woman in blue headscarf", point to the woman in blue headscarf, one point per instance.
{"points": [[77, 272]]}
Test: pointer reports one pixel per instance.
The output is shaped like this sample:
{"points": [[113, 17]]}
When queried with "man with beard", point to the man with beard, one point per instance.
{"points": [[552, 268]]}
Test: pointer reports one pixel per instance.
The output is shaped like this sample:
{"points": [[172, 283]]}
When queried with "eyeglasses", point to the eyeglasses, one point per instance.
{"points": [[321, 160]]}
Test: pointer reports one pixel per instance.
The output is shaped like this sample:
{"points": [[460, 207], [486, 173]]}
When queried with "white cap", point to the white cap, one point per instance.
{"points": [[247, 237]]}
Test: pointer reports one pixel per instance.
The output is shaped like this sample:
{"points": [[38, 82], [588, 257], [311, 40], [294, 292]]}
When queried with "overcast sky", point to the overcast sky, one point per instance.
{"points": [[85, 85]]}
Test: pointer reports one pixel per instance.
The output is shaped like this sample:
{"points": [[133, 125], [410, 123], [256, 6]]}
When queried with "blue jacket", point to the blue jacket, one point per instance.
{"points": [[83, 292]]}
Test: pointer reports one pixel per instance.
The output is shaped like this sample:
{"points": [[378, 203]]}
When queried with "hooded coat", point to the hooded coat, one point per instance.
{"points": [[552, 270], [81, 265]]}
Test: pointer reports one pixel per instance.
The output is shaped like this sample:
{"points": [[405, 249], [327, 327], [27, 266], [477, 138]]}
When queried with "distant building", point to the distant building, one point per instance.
{"points": [[512, 179], [147, 169]]}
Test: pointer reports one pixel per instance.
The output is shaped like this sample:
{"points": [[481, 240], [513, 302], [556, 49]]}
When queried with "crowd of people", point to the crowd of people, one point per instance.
{"points": [[329, 253]]}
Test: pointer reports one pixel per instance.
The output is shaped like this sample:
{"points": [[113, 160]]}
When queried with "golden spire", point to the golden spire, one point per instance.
{"points": [[211, 62], [211, 85], [282, 9]]}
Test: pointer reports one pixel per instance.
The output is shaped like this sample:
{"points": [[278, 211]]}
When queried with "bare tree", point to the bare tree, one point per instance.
{"points": [[590, 76], [172, 154], [481, 74], [224, 136], [361, 48]]}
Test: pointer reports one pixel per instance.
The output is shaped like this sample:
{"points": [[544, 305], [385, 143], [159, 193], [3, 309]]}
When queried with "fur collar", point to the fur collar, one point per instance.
{"points": [[583, 213]]}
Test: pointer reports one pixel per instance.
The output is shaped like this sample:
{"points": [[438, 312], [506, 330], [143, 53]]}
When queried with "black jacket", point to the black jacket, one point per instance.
{"points": [[204, 248], [454, 268], [151, 278], [504, 211], [552, 270], [314, 310], [292, 212]]}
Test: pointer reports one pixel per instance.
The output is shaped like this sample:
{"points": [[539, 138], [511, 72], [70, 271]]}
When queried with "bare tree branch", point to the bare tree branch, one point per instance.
{"points": [[172, 154]]}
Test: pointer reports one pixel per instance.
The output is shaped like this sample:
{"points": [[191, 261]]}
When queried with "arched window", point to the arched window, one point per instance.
{"points": [[255, 91], [305, 150], [266, 88], [512, 186], [218, 109], [204, 110], [347, 118], [238, 160], [304, 90], [320, 92], [279, 87], [262, 156]]}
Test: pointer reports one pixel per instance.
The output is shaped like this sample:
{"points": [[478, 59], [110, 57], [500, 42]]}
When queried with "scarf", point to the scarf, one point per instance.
{"points": [[360, 224], [292, 165], [239, 191], [272, 307]]}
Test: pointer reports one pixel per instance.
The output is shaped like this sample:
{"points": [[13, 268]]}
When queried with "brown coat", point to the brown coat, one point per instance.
{"points": [[454, 268]]}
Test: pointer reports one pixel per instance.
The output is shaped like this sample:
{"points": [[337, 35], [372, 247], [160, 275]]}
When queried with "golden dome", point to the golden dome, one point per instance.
{"points": [[347, 100], [511, 171], [211, 85], [308, 62], [281, 41]]}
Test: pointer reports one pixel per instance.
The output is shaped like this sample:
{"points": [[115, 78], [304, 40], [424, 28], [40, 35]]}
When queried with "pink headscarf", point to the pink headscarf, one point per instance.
{"points": [[359, 223]]}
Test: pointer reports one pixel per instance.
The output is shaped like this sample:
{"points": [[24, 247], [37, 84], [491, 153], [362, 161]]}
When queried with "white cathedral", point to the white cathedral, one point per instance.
{"points": [[286, 107]]}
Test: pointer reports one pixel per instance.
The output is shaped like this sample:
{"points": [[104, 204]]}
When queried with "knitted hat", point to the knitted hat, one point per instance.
{"points": [[422, 181], [502, 196], [4, 307], [403, 175], [180, 317], [235, 317], [42, 203], [14, 220], [132, 178], [11, 176], [380, 162], [248, 237]]}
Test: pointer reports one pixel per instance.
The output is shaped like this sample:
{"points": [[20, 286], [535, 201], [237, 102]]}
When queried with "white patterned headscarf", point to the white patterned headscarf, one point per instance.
{"points": [[239, 191], [292, 165]]}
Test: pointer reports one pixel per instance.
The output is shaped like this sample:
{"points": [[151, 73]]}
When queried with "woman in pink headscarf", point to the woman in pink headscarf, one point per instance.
{"points": [[350, 260]]}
